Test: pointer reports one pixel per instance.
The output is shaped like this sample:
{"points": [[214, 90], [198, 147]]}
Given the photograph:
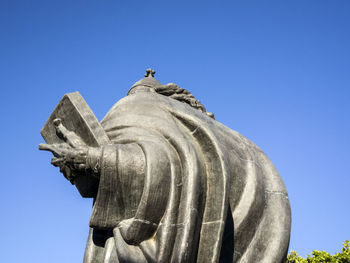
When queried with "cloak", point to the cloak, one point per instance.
{"points": [[178, 186]]}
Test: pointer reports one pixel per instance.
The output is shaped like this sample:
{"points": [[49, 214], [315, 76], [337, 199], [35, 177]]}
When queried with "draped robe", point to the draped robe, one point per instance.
{"points": [[178, 186]]}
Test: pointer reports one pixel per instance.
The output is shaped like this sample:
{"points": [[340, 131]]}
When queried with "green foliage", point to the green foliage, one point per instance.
{"points": [[322, 256]]}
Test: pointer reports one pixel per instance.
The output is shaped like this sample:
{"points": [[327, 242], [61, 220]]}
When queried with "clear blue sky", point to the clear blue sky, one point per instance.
{"points": [[276, 71]]}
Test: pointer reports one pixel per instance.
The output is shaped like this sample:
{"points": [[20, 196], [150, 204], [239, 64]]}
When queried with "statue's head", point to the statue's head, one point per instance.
{"points": [[150, 84]]}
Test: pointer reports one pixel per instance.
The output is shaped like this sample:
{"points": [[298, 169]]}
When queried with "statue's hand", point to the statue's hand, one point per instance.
{"points": [[70, 155], [70, 160]]}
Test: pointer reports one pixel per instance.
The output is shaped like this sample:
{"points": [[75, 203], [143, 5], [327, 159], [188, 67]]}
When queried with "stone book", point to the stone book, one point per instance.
{"points": [[76, 116]]}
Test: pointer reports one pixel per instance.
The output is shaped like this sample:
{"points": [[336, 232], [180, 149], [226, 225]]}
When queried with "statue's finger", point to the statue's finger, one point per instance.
{"points": [[52, 148], [57, 162], [47, 147], [80, 166], [44, 147], [54, 159], [68, 136]]}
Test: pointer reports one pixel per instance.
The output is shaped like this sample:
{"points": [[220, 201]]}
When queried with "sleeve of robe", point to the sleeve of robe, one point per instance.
{"points": [[137, 180]]}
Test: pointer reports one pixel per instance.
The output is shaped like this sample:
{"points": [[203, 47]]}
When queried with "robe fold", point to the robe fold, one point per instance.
{"points": [[178, 186]]}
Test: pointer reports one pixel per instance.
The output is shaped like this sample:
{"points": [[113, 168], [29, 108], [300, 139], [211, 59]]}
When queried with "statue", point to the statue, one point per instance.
{"points": [[169, 183]]}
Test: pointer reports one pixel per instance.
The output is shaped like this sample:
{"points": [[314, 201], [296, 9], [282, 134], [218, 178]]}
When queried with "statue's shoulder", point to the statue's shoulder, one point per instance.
{"points": [[141, 101]]}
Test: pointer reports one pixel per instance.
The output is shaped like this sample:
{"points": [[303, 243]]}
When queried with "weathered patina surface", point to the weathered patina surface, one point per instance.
{"points": [[169, 182]]}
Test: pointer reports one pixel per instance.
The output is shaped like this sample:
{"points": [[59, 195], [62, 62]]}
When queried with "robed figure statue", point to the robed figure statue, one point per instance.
{"points": [[172, 184]]}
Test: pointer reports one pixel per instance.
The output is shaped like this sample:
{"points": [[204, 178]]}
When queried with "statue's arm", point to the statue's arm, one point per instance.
{"points": [[93, 161]]}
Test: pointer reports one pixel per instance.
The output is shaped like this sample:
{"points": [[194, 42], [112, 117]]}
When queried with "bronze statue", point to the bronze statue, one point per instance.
{"points": [[169, 182]]}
